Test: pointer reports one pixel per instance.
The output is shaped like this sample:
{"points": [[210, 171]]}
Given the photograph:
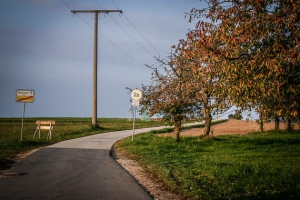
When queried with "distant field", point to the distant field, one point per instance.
{"points": [[64, 129]]}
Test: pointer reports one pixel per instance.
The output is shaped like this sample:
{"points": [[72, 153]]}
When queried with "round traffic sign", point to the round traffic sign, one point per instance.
{"points": [[136, 94]]}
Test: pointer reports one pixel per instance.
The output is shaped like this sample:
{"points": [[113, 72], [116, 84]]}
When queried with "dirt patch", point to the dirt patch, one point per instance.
{"points": [[233, 126]]}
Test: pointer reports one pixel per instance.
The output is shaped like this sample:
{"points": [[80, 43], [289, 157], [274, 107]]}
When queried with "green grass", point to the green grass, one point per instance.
{"points": [[253, 166], [64, 129]]}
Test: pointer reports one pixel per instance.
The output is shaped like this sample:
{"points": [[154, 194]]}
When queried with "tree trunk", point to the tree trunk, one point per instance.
{"points": [[177, 129], [208, 119], [276, 123], [289, 124], [261, 123]]}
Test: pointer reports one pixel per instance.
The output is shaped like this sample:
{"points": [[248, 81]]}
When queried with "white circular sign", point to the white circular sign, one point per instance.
{"points": [[136, 94]]}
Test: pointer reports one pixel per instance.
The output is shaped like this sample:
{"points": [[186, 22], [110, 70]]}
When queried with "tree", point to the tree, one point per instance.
{"points": [[166, 96], [203, 79], [258, 52]]}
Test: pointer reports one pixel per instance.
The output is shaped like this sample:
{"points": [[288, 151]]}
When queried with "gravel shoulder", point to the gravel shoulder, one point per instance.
{"points": [[154, 187]]}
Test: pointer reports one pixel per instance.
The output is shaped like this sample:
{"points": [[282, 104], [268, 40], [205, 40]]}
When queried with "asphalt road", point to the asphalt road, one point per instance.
{"points": [[75, 169]]}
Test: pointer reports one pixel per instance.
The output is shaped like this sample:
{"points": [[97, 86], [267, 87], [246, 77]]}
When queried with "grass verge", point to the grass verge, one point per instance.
{"points": [[64, 129], [253, 166]]}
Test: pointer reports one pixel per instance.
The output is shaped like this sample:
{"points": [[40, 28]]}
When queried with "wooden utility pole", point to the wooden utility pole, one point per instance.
{"points": [[94, 105]]}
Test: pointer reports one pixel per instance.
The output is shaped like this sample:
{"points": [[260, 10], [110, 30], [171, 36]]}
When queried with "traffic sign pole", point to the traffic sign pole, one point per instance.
{"points": [[24, 96], [22, 122], [135, 95], [134, 115]]}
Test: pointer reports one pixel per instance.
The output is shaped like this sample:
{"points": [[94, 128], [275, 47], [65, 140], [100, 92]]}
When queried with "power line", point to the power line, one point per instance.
{"points": [[141, 34], [66, 4], [114, 4], [110, 41], [103, 35], [136, 29], [123, 51], [131, 37], [99, 4], [127, 32]]}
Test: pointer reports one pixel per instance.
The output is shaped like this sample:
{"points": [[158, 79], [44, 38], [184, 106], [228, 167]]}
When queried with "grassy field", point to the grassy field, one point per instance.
{"points": [[64, 129], [253, 166]]}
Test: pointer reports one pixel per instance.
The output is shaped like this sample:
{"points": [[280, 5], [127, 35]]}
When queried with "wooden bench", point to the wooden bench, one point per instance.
{"points": [[44, 125]]}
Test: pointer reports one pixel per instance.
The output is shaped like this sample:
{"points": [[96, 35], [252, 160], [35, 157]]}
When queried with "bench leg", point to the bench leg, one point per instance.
{"points": [[49, 135], [34, 133]]}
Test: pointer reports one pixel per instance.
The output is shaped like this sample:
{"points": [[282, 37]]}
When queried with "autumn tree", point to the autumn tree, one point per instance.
{"points": [[167, 97], [258, 52], [203, 79]]}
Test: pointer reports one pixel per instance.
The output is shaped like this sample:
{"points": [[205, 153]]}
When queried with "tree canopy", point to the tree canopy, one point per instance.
{"points": [[166, 95], [257, 51], [243, 53]]}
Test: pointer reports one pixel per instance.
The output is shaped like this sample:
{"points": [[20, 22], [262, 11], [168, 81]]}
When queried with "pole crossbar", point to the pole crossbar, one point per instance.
{"points": [[94, 102], [98, 11]]}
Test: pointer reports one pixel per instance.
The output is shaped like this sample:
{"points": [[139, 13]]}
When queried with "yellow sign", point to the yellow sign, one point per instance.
{"points": [[26, 96]]}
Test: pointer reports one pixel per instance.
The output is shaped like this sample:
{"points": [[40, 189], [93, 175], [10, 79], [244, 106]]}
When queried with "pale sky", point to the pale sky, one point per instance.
{"points": [[44, 47]]}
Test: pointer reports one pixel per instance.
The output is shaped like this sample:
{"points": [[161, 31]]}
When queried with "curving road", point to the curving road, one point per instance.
{"points": [[75, 169]]}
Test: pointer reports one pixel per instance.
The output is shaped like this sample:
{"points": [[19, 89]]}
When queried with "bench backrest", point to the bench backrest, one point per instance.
{"points": [[42, 122]]}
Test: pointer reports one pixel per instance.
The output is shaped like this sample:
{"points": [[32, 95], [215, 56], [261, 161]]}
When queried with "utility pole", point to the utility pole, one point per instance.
{"points": [[94, 102]]}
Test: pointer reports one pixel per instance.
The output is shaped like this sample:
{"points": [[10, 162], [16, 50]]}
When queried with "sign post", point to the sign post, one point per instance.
{"points": [[135, 95], [24, 96]]}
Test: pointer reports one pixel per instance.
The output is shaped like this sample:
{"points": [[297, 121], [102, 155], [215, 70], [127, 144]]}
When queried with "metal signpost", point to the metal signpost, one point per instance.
{"points": [[24, 96], [135, 95]]}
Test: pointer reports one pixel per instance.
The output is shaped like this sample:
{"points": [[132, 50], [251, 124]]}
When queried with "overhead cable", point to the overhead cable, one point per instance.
{"points": [[104, 36], [127, 32], [137, 29]]}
